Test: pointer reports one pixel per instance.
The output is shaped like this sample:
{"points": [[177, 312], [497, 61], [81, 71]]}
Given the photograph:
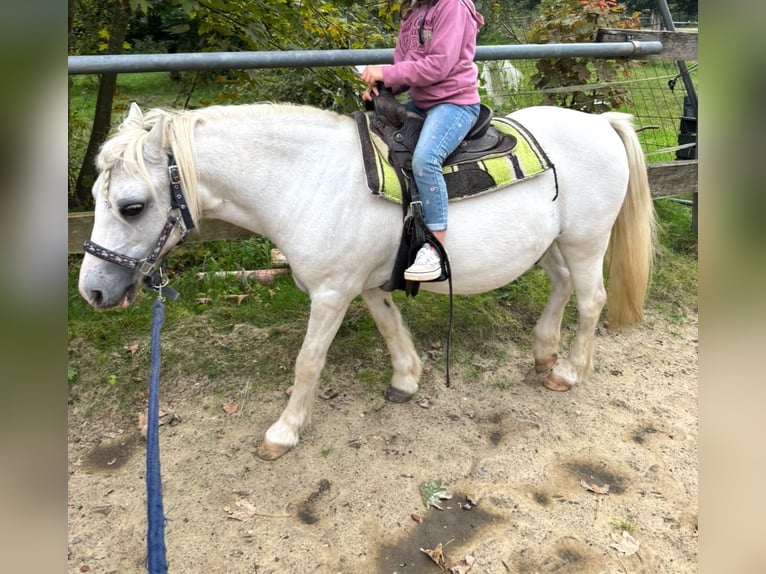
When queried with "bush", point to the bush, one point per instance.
{"points": [[564, 21]]}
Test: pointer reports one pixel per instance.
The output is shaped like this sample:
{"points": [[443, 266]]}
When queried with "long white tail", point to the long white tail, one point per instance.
{"points": [[632, 243]]}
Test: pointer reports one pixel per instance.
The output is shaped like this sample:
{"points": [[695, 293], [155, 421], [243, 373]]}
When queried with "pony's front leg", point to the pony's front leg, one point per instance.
{"points": [[404, 358], [327, 312]]}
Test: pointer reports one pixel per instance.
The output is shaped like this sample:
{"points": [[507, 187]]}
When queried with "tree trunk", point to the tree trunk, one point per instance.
{"points": [[102, 117]]}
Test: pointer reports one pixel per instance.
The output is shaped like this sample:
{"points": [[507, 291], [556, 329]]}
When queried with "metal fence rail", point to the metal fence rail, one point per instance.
{"points": [[127, 63]]}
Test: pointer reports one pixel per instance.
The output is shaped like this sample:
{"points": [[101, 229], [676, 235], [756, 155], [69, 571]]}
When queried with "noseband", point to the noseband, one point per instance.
{"points": [[151, 266]]}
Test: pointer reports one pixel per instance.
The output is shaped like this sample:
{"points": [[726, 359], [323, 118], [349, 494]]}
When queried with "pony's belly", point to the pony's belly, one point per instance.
{"points": [[479, 281]]}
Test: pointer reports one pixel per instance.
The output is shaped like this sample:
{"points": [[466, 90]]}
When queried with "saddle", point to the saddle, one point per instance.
{"points": [[399, 129]]}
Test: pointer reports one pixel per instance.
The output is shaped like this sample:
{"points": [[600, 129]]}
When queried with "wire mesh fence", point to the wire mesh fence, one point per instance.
{"points": [[655, 92]]}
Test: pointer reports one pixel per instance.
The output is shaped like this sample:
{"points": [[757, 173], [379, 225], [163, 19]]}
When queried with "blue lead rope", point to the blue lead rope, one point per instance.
{"points": [[155, 538]]}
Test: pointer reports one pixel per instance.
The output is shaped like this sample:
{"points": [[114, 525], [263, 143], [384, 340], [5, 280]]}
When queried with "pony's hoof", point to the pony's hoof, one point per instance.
{"points": [[395, 395], [271, 451], [545, 365], [556, 383]]}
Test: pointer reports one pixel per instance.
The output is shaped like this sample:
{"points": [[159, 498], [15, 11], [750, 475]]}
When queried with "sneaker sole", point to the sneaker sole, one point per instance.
{"points": [[422, 276]]}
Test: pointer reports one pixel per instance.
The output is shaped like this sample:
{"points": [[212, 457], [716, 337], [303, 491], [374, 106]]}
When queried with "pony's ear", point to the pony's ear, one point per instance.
{"points": [[155, 139], [135, 116]]}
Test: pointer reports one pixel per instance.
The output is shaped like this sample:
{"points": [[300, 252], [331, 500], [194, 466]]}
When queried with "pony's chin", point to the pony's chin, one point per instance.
{"points": [[130, 296], [127, 300]]}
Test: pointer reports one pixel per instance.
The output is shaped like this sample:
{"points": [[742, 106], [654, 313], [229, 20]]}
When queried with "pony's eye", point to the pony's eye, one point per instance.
{"points": [[132, 210]]}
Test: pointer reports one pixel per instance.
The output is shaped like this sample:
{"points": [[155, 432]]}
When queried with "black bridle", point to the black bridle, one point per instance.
{"points": [[152, 266]]}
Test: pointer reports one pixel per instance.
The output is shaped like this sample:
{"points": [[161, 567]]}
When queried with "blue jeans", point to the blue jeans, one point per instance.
{"points": [[444, 128]]}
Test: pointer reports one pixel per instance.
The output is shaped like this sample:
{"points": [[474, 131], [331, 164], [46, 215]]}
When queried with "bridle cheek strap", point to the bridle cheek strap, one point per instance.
{"points": [[177, 199]]}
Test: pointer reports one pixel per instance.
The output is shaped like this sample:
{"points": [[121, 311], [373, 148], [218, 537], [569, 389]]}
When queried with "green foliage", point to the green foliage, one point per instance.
{"points": [[232, 25], [505, 22], [580, 83], [90, 20]]}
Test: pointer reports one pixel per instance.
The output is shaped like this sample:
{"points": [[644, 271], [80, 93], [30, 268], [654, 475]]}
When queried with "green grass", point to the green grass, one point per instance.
{"points": [[626, 525], [673, 291]]}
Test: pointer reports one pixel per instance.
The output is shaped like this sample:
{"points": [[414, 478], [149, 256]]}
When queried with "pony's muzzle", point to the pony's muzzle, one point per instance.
{"points": [[102, 290]]}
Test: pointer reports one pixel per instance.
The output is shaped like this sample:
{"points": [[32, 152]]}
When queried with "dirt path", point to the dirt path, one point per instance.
{"points": [[342, 501]]}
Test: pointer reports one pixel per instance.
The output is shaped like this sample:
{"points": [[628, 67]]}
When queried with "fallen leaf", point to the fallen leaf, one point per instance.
{"points": [[143, 423], [627, 544], [595, 488], [463, 566], [203, 300], [246, 510], [230, 408], [143, 420], [132, 349], [437, 555]]}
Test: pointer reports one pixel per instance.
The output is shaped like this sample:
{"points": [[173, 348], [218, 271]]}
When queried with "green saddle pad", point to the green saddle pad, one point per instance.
{"points": [[464, 179]]}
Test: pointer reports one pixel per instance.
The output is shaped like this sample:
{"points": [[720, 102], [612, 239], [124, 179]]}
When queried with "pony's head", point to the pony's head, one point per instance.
{"points": [[132, 210]]}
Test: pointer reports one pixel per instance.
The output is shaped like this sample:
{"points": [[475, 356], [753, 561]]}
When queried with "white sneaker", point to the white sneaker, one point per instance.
{"points": [[427, 265]]}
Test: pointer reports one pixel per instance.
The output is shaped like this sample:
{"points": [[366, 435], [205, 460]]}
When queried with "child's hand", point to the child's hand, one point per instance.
{"points": [[372, 75], [369, 92]]}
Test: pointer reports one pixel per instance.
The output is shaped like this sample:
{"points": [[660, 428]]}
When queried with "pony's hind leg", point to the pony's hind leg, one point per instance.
{"points": [[327, 312], [404, 359], [547, 331], [586, 272]]}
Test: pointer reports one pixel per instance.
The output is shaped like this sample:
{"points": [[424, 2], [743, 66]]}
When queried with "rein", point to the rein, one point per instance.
{"points": [[155, 537], [152, 266]]}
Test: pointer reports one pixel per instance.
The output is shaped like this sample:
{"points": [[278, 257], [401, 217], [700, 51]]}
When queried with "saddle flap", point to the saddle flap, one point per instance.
{"points": [[491, 144]]}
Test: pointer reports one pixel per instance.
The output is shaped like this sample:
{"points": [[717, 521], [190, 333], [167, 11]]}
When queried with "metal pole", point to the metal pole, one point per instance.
{"points": [[690, 93], [685, 77], [128, 63]]}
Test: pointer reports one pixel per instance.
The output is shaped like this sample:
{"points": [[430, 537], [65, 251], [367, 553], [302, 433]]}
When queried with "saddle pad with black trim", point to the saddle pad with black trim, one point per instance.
{"points": [[463, 180]]}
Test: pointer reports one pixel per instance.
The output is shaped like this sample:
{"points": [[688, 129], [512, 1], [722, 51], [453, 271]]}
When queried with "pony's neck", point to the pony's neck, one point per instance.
{"points": [[257, 162]]}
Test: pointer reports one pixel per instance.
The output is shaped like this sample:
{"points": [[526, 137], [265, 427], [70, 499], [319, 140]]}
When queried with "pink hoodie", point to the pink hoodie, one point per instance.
{"points": [[441, 69]]}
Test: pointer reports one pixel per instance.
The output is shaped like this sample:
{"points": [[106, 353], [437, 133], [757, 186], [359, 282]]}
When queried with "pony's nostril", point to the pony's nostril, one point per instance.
{"points": [[96, 298]]}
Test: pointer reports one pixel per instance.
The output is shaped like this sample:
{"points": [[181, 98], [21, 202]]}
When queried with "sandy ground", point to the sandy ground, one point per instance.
{"points": [[539, 481]]}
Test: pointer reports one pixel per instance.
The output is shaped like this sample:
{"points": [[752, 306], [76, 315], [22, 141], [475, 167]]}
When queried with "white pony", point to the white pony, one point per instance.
{"points": [[294, 174]]}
